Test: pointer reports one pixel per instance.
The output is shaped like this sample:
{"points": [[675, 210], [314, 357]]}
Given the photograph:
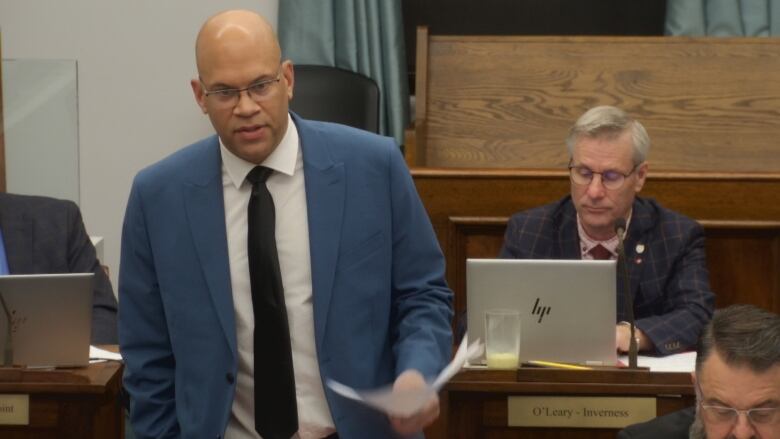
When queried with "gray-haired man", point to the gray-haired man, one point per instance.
{"points": [[668, 275]]}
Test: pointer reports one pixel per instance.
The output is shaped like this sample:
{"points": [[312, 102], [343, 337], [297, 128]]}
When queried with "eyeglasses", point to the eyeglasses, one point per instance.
{"points": [[611, 179], [762, 416], [257, 91]]}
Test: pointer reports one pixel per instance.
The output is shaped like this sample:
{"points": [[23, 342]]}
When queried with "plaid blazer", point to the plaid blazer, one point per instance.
{"points": [[669, 279]]}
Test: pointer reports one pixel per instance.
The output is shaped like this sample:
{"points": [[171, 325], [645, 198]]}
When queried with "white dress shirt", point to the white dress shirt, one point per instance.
{"points": [[288, 191]]}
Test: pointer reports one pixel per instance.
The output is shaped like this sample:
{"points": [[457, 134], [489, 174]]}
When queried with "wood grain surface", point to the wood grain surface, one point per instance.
{"points": [[508, 101]]}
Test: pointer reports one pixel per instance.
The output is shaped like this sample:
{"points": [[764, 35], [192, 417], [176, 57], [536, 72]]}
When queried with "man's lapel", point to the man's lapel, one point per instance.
{"points": [[204, 204], [17, 230], [325, 191], [636, 246], [568, 239]]}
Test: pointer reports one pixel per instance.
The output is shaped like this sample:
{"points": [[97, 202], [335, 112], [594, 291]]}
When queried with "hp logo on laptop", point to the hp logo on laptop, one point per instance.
{"points": [[540, 310]]}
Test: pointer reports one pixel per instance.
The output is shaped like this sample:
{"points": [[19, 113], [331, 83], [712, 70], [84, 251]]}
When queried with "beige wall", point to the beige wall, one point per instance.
{"points": [[135, 106]]}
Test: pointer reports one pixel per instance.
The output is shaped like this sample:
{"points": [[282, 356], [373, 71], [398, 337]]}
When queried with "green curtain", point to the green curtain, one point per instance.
{"points": [[364, 36], [750, 18]]}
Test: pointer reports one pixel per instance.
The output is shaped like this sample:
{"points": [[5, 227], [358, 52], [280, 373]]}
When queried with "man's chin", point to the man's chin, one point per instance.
{"points": [[597, 221], [598, 228], [254, 152]]}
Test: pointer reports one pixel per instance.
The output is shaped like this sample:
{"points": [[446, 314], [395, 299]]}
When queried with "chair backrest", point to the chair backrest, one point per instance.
{"points": [[336, 95]]}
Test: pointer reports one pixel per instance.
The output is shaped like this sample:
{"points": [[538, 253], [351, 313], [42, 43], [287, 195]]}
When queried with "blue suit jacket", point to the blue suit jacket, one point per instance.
{"points": [[669, 279], [381, 304]]}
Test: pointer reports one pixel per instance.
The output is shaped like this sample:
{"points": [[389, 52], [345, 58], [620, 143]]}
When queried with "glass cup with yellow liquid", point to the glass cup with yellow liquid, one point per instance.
{"points": [[502, 338]]}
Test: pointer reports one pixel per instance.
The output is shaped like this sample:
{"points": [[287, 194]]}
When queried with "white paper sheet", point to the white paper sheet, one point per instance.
{"points": [[407, 403], [97, 355], [684, 362]]}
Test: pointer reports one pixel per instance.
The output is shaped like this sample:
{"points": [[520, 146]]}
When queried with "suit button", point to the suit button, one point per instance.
{"points": [[230, 378]]}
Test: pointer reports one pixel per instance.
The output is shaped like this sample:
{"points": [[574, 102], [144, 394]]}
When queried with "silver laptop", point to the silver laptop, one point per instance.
{"points": [[567, 307], [51, 318]]}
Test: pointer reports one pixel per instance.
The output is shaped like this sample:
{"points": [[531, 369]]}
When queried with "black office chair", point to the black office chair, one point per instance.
{"points": [[336, 95]]}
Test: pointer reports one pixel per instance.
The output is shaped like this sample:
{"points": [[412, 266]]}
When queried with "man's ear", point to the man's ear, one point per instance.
{"points": [[641, 174], [200, 94], [288, 73]]}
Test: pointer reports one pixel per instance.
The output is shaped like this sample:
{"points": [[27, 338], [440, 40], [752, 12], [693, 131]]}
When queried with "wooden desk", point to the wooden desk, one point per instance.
{"points": [[474, 403], [69, 403]]}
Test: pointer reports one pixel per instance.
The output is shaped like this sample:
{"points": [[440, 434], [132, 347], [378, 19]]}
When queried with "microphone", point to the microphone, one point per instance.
{"points": [[8, 352], [620, 230]]}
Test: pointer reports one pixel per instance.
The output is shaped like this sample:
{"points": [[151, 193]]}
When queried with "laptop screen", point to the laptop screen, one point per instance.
{"points": [[567, 307], [51, 318]]}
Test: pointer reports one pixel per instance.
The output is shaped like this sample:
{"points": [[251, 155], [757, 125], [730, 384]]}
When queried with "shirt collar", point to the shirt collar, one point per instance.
{"points": [[587, 243], [282, 159]]}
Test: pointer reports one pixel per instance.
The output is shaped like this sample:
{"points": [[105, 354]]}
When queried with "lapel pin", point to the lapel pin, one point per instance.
{"points": [[640, 248]]}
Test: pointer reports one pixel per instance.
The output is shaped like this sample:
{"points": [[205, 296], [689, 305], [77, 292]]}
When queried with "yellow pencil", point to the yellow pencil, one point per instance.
{"points": [[558, 365]]}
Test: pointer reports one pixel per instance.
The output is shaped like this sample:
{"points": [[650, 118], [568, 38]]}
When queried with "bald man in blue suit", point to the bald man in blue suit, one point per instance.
{"points": [[375, 296]]}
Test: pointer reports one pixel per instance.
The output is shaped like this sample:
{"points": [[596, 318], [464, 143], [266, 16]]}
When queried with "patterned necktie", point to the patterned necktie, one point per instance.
{"points": [[599, 252], [276, 414]]}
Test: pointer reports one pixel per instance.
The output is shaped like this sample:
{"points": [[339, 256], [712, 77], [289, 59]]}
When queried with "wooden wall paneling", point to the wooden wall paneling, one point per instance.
{"points": [[529, 17], [500, 193], [744, 262], [508, 101], [470, 237]]}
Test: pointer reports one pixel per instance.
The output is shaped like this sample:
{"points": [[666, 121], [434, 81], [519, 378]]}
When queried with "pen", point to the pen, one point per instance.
{"points": [[540, 363]]}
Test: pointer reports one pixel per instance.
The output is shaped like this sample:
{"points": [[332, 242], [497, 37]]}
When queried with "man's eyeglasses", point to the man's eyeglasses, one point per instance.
{"points": [[611, 179], [759, 417], [229, 97]]}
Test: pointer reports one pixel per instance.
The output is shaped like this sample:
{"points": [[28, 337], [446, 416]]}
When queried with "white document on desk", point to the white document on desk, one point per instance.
{"points": [[96, 355], [684, 362], [407, 403]]}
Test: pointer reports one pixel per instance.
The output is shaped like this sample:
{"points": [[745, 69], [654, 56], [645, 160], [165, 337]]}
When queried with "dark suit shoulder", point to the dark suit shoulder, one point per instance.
{"points": [[530, 233], [36, 202], [186, 156], [542, 215], [674, 425], [662, 213], [40, 208], [671, 223], [196, 163]]}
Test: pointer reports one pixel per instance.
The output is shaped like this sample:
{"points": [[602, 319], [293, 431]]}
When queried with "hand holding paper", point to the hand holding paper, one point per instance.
{"points": [[409, 382], [404, 403]]}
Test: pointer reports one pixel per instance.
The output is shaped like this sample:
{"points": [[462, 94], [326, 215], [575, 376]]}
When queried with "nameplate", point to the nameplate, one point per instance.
{"points": [[14, 409], [578, 411]]}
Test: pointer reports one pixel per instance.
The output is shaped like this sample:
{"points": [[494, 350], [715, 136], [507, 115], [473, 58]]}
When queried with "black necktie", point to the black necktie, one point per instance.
{"points": [[276, 415]]}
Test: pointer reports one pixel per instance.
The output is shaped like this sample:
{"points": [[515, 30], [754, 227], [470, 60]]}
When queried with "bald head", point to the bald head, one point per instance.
{"points": [[243, 85], [232, 31]]}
